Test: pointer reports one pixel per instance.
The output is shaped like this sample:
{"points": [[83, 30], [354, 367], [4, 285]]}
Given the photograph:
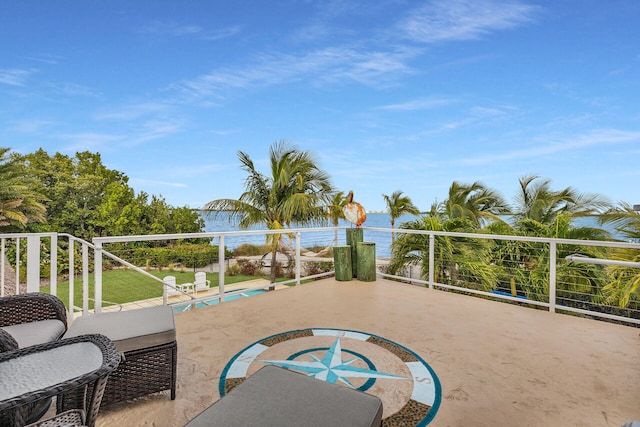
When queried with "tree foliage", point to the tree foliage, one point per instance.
{"points": [[20, 202], [522, 268], [295, 192], [86, 199]]}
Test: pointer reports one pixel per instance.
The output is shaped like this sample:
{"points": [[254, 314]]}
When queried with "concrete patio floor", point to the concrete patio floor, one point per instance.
{"points": [[498, 364]]}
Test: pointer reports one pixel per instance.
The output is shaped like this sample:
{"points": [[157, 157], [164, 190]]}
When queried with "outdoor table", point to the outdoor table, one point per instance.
{"points": [[65, 368]]}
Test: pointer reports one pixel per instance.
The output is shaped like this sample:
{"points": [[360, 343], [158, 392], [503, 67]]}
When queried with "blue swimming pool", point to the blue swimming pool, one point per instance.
{"points": [[178, 308]]}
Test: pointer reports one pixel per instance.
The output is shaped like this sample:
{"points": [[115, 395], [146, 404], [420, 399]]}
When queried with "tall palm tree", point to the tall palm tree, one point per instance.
{"points": [[294, 193], [457, 261], [398, 205], [335, 211], [19, 205], [624, 282], [536, 200], [474, 202]]}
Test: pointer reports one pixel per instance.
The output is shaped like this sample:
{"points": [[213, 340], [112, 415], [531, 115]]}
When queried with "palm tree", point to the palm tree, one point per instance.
{"points": [[19, 205], [474, 202], [335, 208], [457, 261], [539, 202], [294, 193], [624, 282], [398, 205]]}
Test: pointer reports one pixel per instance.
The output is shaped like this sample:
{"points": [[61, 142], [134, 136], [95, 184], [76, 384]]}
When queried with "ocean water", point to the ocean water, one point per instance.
{"points": [[317, 239], [326, 238]]}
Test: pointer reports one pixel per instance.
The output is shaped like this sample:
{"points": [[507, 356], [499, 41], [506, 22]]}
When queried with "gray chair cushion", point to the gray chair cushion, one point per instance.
{"points": [[129, 330], [32, 333], [277, 397]]}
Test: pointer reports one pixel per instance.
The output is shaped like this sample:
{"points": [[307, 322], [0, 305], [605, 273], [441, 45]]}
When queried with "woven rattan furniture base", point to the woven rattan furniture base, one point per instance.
{"points": [[71, 418], [27, 308], [146, 338], [142, 372], [75, 370]]}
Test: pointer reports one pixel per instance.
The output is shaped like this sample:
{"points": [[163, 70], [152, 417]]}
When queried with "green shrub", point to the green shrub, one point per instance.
{"points": [[188, 255], [313, 268], [247, 249], [233, 270], [249, 267]]}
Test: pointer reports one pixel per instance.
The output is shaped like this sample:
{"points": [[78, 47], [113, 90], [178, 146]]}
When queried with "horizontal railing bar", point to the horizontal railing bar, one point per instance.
{"points": [[598, 314], [23, 235], [492, 295], [608, 243], [586, 260], [209, 234], [405, 279]]}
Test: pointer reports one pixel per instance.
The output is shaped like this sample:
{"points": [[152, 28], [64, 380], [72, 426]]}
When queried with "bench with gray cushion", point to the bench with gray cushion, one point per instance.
{"points": [[146, 338], [274, 396], [30, 319]]}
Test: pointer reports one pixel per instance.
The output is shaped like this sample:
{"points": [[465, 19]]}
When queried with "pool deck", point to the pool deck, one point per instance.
{"points": [[498, 364], [177, 299]]}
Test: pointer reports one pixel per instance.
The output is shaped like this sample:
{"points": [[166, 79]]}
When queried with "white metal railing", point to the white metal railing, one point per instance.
{"points": [[381, 236], [99, 243], [33, 261], [552, 243]]}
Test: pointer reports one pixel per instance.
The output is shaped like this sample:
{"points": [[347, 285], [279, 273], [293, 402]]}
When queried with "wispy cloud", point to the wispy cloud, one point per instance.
{"points": [[331, 64], [15, 76], [222, 33], [595, 138], [171, 28], [32, 125], [74, 89], [88, 141], [45, 58], [447, 20], [174, 29], [153, 130], [470, 117], [151, 182], [420, 104], [224, 132], [133, 111], [141, 133]]}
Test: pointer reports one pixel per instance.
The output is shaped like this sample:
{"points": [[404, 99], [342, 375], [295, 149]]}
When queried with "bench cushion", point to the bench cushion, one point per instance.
{"points": [[274, 396], [39, 332], [129, 330]]}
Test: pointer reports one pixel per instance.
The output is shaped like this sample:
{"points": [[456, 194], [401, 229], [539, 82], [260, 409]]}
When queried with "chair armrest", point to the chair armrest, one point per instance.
{"points": [[31, 307], [7, 342]]}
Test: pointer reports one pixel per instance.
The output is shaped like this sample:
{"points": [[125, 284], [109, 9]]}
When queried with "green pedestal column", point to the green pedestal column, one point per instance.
{"points": [[366, 261], [354, 235], [342, 263]]}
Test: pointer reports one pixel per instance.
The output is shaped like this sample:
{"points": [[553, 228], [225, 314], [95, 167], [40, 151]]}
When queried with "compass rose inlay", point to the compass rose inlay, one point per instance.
{"points": [[406, 384], [331, 368]]}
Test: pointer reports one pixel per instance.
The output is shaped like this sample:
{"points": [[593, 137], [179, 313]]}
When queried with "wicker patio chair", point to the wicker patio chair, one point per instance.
{"points": [[18, 317], [146, 337], [75, 370]]}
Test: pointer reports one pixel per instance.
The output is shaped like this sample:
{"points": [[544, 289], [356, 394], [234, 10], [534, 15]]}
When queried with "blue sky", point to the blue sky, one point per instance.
{"points": [[390, 94]]}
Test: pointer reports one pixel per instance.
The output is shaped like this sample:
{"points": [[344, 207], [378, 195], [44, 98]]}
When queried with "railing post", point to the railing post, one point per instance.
{"points": [[221, 269], [85, 279], [33, 263], [53, 272], [72, 273], [97, 255], [552, 277], [17, 265], [298, 261], [2, 255], [432, 257]]}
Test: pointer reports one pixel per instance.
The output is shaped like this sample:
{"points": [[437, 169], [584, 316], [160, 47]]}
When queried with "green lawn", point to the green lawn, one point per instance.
{"points": [[122, 286]]}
